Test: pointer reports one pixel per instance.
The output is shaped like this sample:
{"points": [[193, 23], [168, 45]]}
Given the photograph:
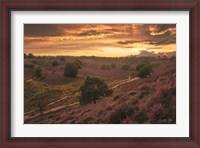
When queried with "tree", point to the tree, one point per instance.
{"points": [[70, 70], [55, 63], [41, 105], [105, 67], [38, 71], [78, 63], [144, 70], [113, 65], [125, 67], [29, 66], [92, 89], [62, 58], [30, 56]]}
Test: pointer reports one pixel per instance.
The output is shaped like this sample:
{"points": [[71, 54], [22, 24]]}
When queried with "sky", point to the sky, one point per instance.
{"points": [[103, 40]]}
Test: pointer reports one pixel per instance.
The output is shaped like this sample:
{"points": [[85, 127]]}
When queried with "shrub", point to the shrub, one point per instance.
{"points": [[38, 71], [163, 107], [62, 58], [122, 114], [105, 67], [118, 116], [141, 117], [29, 66], [34, 62], [70, 70], [113, 65], [144, 70], [139, 66], [92, 89], [143, 93], [156, 113], [30, 56], [125, 67], [55, 63], [78, 63]]}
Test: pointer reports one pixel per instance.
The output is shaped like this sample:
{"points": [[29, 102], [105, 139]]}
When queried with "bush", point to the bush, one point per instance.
{"points": [[139, 66], [62, 58], [162, 109], [122, 113], [92, 89], [29, 66], [78, 64], [144, 70], [55, 63], [105, 67], [118, 116], [113, 65], [70, 70], [30, 56], [38, 71], [125, 67], [141, 117]]}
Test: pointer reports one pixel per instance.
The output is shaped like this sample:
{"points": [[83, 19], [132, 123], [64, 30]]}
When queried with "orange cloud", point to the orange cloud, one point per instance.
{"points": [[98, 39]]}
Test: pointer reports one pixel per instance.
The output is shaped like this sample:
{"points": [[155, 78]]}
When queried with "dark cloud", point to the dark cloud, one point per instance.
{"points": [[27, 41], [88, 33], [42, 30], [157, 42], [146, 53], [162, 30], [165, 27]]}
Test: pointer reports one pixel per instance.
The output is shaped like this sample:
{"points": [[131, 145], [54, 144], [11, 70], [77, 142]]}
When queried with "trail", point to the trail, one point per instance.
{"points": [[125, 82], [29, 80], [29, 115]]}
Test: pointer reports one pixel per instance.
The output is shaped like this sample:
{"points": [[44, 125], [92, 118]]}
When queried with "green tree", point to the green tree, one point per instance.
{"points": [[29, 66], [55, 63], [125, 67], [62, 58], [30, 56], [144, 70], [92, 89], [38, 71], [113, 65], [78, 63], [105, 67], [70, 70]]}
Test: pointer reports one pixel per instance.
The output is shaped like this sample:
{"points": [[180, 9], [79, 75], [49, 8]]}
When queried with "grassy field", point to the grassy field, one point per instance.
{"points": [[134, 99]]}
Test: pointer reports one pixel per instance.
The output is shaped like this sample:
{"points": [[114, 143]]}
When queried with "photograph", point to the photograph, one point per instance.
{"points": [[99, 73]]}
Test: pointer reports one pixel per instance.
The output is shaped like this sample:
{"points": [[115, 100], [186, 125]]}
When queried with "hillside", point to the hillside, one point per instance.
{"points": [[134, 100]]}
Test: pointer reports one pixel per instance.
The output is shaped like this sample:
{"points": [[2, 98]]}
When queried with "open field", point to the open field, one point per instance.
{"points": [[134, 99]]}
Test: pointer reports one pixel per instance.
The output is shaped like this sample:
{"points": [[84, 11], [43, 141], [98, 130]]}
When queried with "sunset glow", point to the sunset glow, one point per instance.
{"points": [[107, 40]]}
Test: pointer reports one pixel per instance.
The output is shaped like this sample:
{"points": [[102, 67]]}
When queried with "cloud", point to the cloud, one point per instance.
{"points": [[82, 37], [127, 42], [157, 30], [42, 30], [146, 53]]}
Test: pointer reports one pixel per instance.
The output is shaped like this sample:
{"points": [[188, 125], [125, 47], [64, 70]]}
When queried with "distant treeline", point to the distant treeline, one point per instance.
{"points": [[127, 59]]}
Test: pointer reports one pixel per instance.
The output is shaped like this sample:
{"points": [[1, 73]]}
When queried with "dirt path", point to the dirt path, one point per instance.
{"points": [[29, 80], [27, 117], [59, 100], [125, 82]]}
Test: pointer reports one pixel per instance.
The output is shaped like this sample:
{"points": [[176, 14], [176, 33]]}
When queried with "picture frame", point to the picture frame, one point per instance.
{"points": [[194, 82]]}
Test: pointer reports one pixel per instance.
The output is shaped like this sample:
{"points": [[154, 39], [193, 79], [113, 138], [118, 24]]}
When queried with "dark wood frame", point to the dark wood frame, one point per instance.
{"points": [[193, 141]]}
